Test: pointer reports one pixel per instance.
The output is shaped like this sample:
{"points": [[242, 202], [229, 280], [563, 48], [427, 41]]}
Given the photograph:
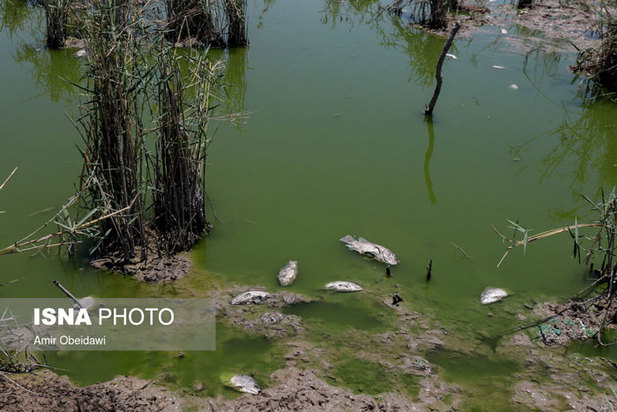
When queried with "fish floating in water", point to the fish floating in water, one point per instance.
{"points": [[252, 297], [288, 273], [343, 286], [492, 295], [81, 53], [364, 247], [244, 383]]}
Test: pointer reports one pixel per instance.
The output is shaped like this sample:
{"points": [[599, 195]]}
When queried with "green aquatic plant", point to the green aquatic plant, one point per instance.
{"points": [[597, 250]]}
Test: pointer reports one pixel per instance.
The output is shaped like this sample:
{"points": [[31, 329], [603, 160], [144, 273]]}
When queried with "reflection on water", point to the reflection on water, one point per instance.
{"points": [[17, 16], [53, 71], [235, 80], [349, 12], [427, 159]]}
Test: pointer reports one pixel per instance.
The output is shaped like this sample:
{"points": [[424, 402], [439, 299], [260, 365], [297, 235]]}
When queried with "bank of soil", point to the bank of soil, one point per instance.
{"points": [[153, 269], [551, 24]]}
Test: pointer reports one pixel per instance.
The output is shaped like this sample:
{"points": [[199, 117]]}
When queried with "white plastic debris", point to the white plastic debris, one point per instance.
{"points": [[513, 87]]}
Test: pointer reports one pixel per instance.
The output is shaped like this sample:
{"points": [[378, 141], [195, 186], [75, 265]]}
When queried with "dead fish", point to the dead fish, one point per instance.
{"points": [[81, 53], [492, 295], [244, 383], [364, 247], [513, 87], [252, 297], [498, 67], [288, 273], [452, 56], [343, 286]]}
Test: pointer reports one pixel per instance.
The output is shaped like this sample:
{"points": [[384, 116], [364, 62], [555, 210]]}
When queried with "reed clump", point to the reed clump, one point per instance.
{"points": [[195, 21], [207, 23], [183, 104], [236, 17], [432, 14], [600, 63], [153, 201], [57, 17], [111, 127]]}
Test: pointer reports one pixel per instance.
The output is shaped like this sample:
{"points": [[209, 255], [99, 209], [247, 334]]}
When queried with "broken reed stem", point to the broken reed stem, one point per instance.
{"points": [[429, 108], [548, 233], [8, 178], [23, 243], [460, 249]]}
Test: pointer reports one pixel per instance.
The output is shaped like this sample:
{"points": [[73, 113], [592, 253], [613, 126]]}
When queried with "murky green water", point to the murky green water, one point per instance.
{"points": [[335, 144]]}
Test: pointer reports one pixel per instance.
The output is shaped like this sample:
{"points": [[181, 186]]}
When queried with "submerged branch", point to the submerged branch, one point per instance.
{"points": [[429, 108]]}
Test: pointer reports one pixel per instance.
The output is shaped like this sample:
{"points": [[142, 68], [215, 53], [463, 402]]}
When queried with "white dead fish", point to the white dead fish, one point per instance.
{"points": [[504, 31], [492, 295], [343, 286], [252, 297], [81, 53], [450, 55], [498, 67], [513, 87], [244, 383], [288, 273], [364, 247]]}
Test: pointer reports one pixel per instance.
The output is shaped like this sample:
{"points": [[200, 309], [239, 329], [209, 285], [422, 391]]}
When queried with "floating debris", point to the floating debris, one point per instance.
{"points": [[492, 295], [498, 67], [288, 273], [513, 87], [81, 53], [504, 31], [450, 55], [343, 286], [244, 383], [252, 297], [370, 249]]}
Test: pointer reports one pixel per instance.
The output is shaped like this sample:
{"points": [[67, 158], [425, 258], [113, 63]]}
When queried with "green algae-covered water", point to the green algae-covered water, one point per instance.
{"points": [[334, 143]]}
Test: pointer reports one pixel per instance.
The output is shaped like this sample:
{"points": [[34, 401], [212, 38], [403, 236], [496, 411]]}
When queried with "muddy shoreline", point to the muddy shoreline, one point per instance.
{"points": [[548, 378]]}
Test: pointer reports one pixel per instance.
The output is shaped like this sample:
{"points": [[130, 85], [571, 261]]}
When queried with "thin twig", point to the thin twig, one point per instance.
{"points": [[8, 178]]}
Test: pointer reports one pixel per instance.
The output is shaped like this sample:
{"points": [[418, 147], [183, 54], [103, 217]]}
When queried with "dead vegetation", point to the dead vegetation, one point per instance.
{"points": [[600, 63], [596, 304]]}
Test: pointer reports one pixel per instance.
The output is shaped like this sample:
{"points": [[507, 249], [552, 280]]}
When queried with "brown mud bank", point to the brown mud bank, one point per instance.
{"points": [[552, 24], [293, 389], [561, 324], [153, 269]]}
